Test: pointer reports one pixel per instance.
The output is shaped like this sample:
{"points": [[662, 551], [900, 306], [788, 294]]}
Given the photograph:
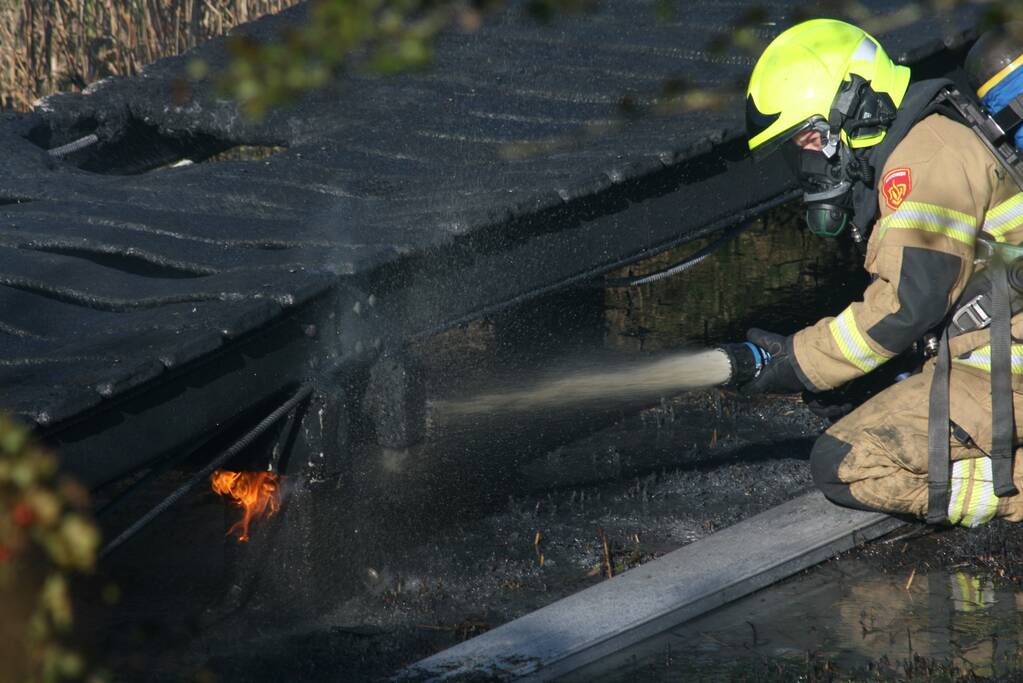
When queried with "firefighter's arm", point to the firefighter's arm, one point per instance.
{"points": [[921, 258]]}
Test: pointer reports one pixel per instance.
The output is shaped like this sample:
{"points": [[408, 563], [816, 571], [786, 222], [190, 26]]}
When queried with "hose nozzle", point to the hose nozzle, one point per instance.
{"points": [[747, 360]]}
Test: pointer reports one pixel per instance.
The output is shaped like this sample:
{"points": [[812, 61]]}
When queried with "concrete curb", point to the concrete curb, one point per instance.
{"points": [[644, 601]]}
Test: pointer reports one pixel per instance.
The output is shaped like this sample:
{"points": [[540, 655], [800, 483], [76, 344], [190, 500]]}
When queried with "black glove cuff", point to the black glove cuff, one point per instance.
{"points": [[790, 352], [777, 378]]}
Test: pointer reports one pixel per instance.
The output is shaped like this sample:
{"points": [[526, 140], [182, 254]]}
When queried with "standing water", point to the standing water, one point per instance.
{"points": [[849, 619]]}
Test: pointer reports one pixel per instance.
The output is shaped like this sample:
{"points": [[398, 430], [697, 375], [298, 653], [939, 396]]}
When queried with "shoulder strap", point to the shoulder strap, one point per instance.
{"points": [[995, 135], [996, 132]]}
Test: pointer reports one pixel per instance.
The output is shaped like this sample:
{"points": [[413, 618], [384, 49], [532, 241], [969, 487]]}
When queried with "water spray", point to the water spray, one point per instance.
{"points": [[537, 410], [609, 383]]}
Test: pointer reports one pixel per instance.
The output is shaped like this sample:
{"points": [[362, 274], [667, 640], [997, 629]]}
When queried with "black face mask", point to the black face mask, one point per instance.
{"points": [[827, 190]]}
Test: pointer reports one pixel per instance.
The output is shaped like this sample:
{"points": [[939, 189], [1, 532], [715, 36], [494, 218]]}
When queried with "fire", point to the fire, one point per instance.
{"points": [[257, 493]]}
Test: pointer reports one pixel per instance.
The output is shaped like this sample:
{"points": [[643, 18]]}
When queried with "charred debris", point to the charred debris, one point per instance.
{"points": [[175, 272]]}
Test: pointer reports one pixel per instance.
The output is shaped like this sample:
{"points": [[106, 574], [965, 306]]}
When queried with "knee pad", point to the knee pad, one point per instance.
{"points": [[827, 454], [825, 458]]}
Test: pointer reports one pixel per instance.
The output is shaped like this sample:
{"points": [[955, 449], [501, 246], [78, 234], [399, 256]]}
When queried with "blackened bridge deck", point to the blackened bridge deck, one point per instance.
{"points": [[142, 306]]}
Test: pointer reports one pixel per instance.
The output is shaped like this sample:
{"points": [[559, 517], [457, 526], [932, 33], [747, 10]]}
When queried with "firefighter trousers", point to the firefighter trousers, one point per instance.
{"points": [[875, 458]]}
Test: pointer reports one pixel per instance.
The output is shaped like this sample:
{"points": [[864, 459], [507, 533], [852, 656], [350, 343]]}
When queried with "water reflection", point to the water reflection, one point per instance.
{"points": [[846, 613], [774, 275]]}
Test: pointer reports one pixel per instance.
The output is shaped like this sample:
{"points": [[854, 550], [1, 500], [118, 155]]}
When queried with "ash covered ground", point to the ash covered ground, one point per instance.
{"points": [[195, 606], [408, 586], [432, 546]]}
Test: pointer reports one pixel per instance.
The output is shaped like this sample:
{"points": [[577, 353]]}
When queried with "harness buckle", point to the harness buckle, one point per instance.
{"points": [[976, 318]]}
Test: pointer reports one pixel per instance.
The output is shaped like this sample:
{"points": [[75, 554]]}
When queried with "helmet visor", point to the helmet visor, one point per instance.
{"points": [[768, 147]]}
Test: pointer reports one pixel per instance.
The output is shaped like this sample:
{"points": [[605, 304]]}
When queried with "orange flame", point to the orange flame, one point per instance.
{"points": [[257, 493]]}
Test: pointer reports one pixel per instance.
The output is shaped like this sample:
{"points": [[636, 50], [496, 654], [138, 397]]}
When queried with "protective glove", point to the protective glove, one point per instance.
{"points": [[831, 405], [779, 374], [764, 365]]}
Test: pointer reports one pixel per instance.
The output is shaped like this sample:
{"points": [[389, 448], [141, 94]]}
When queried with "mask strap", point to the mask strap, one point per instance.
{"points": [[859, 111]]}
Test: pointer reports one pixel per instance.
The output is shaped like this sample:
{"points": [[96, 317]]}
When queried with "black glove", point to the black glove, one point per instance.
{"points": [[778, 375], [831, 405]]}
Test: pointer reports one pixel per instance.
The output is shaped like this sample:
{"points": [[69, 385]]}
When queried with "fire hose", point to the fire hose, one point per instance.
{"points": [[72, 147], [739, 223], [747, 361]]}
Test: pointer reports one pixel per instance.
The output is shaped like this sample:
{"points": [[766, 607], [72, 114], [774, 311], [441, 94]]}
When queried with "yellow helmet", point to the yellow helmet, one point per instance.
{"points": [[797, 81]]}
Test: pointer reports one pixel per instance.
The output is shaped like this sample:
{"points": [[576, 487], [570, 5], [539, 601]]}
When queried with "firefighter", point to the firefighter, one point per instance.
{"points": [[876, 155]]}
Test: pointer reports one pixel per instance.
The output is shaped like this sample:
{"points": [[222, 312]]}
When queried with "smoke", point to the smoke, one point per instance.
{"points": [[603, 383]]}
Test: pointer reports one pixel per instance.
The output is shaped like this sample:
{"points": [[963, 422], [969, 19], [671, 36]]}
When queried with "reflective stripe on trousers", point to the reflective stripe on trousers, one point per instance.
{"points": [[973, 501]]}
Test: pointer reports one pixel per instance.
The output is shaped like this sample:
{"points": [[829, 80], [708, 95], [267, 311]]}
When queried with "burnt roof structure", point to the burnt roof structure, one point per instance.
{"points": [[143, 305]]}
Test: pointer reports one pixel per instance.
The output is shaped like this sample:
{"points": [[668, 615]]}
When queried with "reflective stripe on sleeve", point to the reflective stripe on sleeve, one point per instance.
{"points": [[981, 359], [852, 344], [1004, 218], [973, 501], [932, 218]]}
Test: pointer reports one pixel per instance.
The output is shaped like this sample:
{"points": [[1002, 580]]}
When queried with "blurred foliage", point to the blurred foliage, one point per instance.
{"points": [[387, 36], [66, 44], [746, 34], [381, 36], [46, 538]]}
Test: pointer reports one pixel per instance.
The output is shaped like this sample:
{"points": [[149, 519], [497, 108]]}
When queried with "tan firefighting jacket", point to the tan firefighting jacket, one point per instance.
{"points": [[938, 188]]}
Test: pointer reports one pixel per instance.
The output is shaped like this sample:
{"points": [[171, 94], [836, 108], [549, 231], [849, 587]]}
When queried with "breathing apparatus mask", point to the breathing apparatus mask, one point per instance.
{"points": [[827, 193], [828, 175]]}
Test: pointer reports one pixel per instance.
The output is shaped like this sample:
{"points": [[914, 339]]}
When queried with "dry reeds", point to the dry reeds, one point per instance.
{"points": [[52, 45]]}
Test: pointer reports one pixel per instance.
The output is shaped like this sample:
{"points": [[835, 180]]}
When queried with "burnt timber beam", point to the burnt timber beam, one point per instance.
{"points": [[127, 290], [583, 241], [318, 342]]}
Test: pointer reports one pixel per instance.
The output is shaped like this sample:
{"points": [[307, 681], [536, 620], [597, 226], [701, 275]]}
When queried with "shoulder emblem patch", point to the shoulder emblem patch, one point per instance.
{"points": [[896, 186]]}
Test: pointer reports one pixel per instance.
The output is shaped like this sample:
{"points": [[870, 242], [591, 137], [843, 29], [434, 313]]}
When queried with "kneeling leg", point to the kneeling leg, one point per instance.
{"points": [[876, 457]]}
